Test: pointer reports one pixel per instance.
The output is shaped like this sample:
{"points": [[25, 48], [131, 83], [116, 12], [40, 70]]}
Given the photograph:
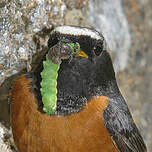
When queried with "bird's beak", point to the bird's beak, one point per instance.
{"points": [[81, 53]]}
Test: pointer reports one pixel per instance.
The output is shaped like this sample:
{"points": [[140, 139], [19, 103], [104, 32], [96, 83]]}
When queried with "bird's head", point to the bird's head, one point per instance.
{"points": [[89, 73]]}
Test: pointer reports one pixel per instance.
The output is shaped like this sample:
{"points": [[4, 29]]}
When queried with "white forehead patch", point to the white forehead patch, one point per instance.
{"points": [[77, 31]]}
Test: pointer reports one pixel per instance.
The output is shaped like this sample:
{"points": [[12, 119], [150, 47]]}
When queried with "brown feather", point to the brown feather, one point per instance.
{"points": [[35, 131]]}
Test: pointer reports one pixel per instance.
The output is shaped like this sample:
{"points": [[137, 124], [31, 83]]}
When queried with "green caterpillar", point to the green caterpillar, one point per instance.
{"points": [[48, 85], [49, 79]]}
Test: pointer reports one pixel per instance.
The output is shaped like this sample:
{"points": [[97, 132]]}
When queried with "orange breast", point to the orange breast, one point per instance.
{"points": [[35, 131]]}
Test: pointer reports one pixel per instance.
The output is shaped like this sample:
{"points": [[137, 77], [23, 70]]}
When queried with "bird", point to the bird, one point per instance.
{"points": [[91, 113]]}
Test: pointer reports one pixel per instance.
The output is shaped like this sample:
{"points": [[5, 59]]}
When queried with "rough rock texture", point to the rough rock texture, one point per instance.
{"points": [[127, 27], [24, 26], [139, 70], [114, 26], [6, 140]]}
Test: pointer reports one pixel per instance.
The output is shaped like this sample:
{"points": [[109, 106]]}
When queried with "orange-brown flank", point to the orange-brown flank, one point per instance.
{"points": [[35, 131]]}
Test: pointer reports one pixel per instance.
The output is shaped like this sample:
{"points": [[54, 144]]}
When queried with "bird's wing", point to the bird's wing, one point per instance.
{"points": [[122, 128]]}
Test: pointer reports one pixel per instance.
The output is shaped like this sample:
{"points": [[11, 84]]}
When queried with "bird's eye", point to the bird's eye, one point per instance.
{"points": [[99, 47], [97, 50]]}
